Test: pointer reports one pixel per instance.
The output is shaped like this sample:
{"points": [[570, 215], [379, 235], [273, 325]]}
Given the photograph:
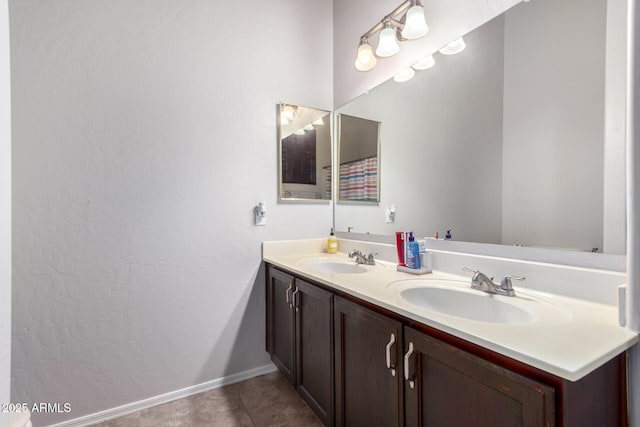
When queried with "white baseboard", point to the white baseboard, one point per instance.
{"points": [[129, 408]]}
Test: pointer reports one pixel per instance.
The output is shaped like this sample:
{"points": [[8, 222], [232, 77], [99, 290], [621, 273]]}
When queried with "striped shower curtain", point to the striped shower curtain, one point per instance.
{"points": [[359, 180]]}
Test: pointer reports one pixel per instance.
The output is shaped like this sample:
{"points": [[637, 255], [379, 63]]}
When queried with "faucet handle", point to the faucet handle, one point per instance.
{"points": [[506, 284], [476, 273]]}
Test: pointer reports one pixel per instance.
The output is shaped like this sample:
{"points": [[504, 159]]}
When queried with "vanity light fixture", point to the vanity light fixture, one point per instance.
{"points": [[424, 63], [299, 132], [366, 60], [308, 127], [404, 75], [387, 42], [415, 25], [405, 22], [288, 113], [454, 47]]}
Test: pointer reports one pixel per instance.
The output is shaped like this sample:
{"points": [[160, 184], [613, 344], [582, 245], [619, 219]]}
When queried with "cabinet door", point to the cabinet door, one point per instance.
{"points": [[450, 387], [280, 322], [368, 393], [314, 367]]}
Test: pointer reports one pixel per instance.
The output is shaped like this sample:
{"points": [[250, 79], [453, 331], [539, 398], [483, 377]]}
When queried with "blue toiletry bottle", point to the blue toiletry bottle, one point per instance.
{"points": [[413, 253], [448, 235]]}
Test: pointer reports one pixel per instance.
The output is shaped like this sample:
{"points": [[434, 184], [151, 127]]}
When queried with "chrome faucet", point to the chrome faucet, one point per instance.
{"points": [[483, 283], [361, 258]]}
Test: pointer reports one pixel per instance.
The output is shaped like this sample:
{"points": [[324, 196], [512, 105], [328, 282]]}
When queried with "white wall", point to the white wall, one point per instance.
{"points": [[5, 212], [633, 207], [614, 216], [560, 195], [447, 20], [441, 145], [145, 133]]}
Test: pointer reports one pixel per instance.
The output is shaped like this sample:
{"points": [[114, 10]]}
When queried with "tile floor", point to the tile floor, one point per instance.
{"points": [[267, 400]]}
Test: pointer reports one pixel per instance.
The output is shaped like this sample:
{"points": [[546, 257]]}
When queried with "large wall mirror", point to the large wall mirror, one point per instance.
{"points": [[359, 160], [516, 140], [304, 154]]}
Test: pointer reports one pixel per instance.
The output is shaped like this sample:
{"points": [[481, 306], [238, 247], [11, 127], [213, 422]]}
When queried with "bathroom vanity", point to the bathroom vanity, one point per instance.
{"points": [[360, 355]]}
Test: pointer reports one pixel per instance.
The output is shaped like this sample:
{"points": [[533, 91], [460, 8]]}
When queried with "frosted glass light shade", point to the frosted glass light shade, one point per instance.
{"points": [[424, 63], [366, 60], [404, 75], [284, 121], [415, 25], [308, 127], [387, 43], [299, 132], [454, 47]]}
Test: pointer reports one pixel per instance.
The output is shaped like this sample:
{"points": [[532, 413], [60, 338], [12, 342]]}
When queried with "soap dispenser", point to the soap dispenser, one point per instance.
{"points": [[332, 243], [413, 253]]}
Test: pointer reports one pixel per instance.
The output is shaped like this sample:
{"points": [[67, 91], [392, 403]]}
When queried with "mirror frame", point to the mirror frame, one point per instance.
{"points": [[338, 139], [294, 200]]}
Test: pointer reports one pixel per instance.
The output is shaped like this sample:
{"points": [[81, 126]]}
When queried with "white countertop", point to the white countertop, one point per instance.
{"points": [[572, 341]]}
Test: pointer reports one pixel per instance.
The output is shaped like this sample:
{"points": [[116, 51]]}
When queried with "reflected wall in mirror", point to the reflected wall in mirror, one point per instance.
{"points": [[304, 154], [359, 160], [512, 141]]}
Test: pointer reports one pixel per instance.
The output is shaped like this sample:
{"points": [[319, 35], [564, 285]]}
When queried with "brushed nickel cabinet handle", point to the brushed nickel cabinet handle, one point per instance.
{"points": [[294, 302], [391, 365], [407, 374], [287, 298]]}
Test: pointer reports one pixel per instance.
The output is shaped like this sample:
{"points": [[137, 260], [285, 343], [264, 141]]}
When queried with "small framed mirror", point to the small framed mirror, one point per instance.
{"points": [[359, 160], [304, 154]]}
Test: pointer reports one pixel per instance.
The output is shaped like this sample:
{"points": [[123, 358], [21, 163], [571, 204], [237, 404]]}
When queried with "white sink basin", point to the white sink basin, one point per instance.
{"points": [[473, 305], [456, 298], [324, 265]]}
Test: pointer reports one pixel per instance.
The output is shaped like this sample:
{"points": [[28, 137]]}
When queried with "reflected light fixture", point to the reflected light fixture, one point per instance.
{"points": [[405, 22], [404, 75], [308, 127], [415, 25], [299, 132], [366, 60], [284, 121], [288, 112], [387, 41], [454, 47], [424, 63]]}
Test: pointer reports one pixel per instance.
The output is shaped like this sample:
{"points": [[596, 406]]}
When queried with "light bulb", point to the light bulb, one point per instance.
{"points": [[404, 75], [424, 63], [366, 60], [454, 47], [284, 121], [387, 42], [415, 25]]}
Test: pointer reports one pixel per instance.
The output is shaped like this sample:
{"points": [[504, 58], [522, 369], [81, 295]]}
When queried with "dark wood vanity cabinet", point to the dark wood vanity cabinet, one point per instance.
{"points": [[450, 387], [357, 364], [368, 384], [299, 338]]}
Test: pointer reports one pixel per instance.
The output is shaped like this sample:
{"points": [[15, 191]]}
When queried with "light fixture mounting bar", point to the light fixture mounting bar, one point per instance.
{"points": [[391, 17]]}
